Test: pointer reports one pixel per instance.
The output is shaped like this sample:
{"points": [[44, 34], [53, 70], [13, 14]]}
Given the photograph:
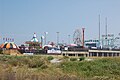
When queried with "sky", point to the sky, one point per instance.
{"points": [[19, 19]]}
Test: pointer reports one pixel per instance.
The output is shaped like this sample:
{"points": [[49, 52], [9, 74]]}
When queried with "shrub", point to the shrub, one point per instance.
{"points": [[50, 58], [44, 66], [30, 61], [35, 63], [65, 57], [81, 58], [0, 51], [73, 59], [13, 62]]}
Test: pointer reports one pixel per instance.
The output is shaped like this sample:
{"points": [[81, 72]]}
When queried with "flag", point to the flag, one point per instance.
{"points": [[10, 39], [3, 39], [6, 39], [13, 40]]}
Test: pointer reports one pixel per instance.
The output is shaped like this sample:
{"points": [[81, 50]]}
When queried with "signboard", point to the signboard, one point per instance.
{"points": [[53, 51], [91, 40], [109, 35]]}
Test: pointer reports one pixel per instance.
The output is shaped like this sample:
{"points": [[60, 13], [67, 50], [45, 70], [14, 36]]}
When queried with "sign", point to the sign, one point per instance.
{"points": [[53, 50], [92, 41], [109, 35]]}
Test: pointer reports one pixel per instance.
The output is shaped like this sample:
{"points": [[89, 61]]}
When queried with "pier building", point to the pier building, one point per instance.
{"points": [[92, 53]]}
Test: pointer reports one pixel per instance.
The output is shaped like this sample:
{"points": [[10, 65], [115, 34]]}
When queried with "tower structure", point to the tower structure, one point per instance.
{"points": [[34, 39]]}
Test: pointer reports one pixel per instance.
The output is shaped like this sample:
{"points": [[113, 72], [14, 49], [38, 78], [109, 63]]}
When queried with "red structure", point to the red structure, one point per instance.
{"points": [[83, 29]]}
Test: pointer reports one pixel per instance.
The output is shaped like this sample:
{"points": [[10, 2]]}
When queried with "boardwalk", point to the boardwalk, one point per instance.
{"points": [[92, 53]]}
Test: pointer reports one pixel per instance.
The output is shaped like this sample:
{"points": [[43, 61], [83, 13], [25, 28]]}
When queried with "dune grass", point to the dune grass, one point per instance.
{"points": [[106, 68], [40, 68]]}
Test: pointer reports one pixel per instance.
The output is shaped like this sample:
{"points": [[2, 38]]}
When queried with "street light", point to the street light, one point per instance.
{"points": [[68, 39], [45, 37], [57, 38], [42, 37]]}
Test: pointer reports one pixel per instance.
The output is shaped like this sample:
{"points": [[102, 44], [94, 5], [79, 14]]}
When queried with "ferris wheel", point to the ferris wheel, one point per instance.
{"points": [[77, 37]]}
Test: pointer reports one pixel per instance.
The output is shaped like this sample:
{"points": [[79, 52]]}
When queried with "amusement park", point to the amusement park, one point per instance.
{"points": [[59, 40], [107, 45]]}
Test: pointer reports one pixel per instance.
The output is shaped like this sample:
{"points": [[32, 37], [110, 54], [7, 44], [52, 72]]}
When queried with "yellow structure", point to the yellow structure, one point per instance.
{"points": [[11, 52]]}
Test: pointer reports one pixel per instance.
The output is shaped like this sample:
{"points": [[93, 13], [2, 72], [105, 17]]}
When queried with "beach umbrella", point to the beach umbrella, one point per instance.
{"points": [[9, 45]]}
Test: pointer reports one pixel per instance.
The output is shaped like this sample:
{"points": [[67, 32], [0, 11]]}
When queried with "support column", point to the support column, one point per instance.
{"points": [[66, 54], [112, 54], [107, 54], [90, 54], [84, 55], [76, 55], [115, 54], [97, 54], [102, 54]]}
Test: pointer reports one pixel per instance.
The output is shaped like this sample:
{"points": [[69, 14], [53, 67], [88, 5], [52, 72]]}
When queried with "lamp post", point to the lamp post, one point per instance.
{"points": [[57, 38], [45, 37], [106, 32], [42, 37], [68, 39], [99, 31]]}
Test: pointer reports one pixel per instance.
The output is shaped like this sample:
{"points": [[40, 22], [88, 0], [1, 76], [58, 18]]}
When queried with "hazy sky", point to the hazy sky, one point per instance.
{"points": [[19, 19]]}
